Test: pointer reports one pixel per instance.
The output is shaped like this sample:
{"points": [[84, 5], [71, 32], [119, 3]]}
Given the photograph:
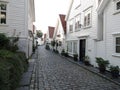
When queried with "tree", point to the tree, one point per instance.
{"points": [[39, 33]]}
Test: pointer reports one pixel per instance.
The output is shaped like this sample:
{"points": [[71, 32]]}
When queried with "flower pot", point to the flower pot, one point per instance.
{"points": [[115, 74], [102, 69], [86, 63]]}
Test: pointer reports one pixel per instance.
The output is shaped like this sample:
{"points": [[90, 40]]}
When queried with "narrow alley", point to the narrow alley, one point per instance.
{"points": [[57, 73]]}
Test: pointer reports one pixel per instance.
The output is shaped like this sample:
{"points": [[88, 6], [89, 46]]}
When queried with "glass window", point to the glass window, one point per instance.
{"points": [[77, 22], [75, 47], [71, 26], [3, 7], [87, 20], [69, 46], [117, 44]]}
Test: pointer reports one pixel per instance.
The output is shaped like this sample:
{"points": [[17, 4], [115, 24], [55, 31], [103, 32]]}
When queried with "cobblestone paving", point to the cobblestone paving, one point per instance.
{"points": [[56, 73]]}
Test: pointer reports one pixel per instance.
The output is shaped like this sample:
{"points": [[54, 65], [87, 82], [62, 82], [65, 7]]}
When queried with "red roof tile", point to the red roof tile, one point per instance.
{"points": [[62, 18], [51, 31]]}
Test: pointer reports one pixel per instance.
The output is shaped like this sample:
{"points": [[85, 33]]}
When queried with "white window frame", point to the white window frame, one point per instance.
{"points": [[86, 13], [115, 7], [2, 2], [116, 45], [75, 43], [115, 35], [78, 24], [69, 44], [71, 25]]}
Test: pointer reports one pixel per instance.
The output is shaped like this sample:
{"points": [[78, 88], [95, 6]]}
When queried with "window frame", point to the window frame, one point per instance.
{"points": [[71, 25], [78, 24], [88, 17], [4, 11], [117, 45]]}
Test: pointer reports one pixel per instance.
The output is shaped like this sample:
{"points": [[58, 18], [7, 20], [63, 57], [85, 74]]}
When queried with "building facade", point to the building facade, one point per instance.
{"points": [[16, 19], [81, 29], [60, 33], [108, 43]]}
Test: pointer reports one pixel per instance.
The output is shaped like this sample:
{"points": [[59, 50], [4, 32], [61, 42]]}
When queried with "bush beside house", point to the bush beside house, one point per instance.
{"points": [[12, 64]]}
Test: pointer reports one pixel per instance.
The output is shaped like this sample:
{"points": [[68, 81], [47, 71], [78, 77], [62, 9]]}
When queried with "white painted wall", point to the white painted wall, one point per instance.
{"points": [[106, 48], [19, 20], [88, 33]]}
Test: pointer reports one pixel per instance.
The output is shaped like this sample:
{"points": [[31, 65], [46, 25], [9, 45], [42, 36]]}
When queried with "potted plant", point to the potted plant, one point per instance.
{"points": [[75, 57], [114, 71], [102, 64], [86, 60]]}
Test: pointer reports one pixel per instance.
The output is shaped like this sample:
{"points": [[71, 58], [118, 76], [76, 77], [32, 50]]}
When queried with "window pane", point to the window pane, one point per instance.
{"points": [[3, 17], [75, 47], [118, 5], [117, 49], [3, 6], [118, 41]]}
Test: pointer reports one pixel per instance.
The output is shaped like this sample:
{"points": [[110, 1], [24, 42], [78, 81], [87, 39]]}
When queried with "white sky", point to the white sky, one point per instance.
{"points": [[47, 12]]}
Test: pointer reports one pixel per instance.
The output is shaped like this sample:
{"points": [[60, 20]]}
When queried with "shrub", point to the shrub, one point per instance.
{"points": [[114, 71], [4, 41], [102, 64], [12, 66]]}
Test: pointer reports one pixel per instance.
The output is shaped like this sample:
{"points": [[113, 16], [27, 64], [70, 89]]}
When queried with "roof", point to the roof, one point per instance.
{"points": [[62, 18], [51, 31]]}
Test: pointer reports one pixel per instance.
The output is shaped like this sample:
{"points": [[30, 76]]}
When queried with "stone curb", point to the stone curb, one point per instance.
{"points": [[97, 73]]}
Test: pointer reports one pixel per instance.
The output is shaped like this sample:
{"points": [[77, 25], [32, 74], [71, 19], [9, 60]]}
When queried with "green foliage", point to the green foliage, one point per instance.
{"points": [[4, 41], [114, 68], [39, 33], [8, 43], [101, 62], [115, 71], [12, 66]]}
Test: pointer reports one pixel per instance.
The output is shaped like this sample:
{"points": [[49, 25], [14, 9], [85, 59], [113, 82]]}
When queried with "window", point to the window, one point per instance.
{"points": [[70, 46], [118, 5], [87, 18], [75, 47], [71, 26], [3, 8], [77, 22], [117, 44]]}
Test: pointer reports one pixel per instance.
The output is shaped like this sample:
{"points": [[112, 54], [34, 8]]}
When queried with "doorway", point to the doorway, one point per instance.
{"points": [[82, 49]]}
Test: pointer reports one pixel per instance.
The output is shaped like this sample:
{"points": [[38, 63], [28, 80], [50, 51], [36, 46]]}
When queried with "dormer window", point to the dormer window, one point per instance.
{"points": [[3, 8]]}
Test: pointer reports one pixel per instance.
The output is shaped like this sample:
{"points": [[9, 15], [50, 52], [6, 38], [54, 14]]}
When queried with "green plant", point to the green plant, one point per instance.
{"points": [[4, 41], [86, 60], [63, 52], [102, 64], [12, 66], [75, 56], [114, 71]]}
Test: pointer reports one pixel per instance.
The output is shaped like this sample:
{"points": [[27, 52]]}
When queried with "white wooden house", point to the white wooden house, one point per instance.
{"points": [[108, 29], [60, 32], [16, 18], [81, 28]]}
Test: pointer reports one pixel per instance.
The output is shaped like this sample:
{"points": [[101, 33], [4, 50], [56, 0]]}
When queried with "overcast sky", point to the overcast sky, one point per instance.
{"points": [[47, 12]]}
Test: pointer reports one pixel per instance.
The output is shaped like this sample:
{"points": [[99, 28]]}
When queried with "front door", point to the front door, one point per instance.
{"points": [[82, 48]]}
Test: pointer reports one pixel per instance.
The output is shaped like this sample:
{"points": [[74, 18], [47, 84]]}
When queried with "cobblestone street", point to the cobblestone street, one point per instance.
{"points": [[57, 73]]}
